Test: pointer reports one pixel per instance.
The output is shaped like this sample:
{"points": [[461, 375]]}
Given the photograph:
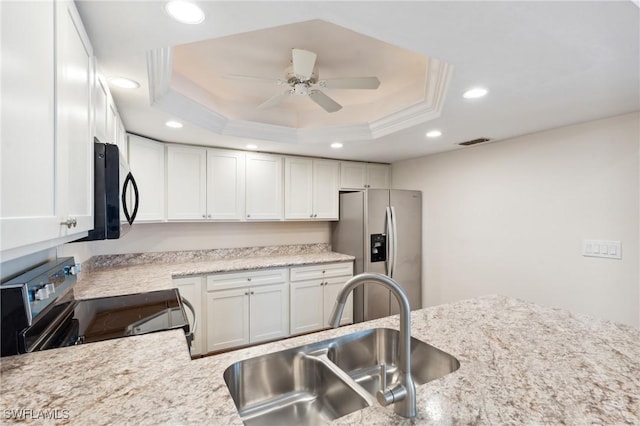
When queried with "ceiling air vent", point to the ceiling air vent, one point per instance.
{"points": [[474, 141]]}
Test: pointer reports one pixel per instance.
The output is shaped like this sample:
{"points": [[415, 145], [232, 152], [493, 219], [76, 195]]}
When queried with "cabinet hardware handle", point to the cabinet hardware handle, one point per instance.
{"points": [[246, 293], [72, 221], [315, 215], [248, 279], [209, 216], [252, 292], [204, 216], [248, 215], [311, 215]]}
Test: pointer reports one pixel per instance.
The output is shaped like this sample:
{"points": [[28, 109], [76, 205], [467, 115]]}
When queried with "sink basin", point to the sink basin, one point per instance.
{"points": [[290, 387], [366, 355], [322, 381]]}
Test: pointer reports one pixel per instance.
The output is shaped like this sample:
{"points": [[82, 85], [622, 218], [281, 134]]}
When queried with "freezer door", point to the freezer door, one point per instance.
{"points": [[376, 298], [407, 271]]}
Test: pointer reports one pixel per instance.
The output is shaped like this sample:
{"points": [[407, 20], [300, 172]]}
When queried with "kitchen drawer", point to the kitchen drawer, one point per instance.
{"points": [[246, 278], [302, 273]]}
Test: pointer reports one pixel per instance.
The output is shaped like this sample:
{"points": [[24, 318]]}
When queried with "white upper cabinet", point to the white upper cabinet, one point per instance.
{"points": [[146, 159], [47, 151], [311, 188], [100, 108], [298, 188], [225, 184], [74, 136], [364, 175], [205, 184], [378, 176], [264, 187], [27, 105], [326, 194], [186, 183]]}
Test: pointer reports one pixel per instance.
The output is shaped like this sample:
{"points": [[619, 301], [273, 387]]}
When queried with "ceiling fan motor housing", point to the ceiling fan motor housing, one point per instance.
{"points": [[293, 79]]}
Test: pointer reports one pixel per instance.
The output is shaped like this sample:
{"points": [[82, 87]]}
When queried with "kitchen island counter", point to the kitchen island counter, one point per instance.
{"points": [[519, 364]]}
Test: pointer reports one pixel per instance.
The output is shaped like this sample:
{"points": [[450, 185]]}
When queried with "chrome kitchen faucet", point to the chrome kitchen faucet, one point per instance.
{"points": [[403, 393]]}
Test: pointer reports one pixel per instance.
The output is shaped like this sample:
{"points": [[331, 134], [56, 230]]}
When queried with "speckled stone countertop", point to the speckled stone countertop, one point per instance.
{"points": [[126, 274], [520, 364]]}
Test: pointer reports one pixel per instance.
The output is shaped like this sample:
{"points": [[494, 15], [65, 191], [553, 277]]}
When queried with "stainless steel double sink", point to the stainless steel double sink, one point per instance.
{"points": [[320, 382]]}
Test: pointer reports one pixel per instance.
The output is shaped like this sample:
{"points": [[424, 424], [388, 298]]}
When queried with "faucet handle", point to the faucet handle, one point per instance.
{"points": [[392, 395]]}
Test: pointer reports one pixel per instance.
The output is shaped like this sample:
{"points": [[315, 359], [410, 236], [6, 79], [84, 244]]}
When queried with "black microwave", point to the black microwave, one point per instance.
{"points": [[115, 192]]}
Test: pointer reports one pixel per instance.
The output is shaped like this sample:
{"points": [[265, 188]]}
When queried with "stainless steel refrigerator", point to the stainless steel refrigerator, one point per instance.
{"points": [[383, 230]]}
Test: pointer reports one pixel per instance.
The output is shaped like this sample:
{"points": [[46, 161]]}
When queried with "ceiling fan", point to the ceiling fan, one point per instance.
{"points": [[302, 78]]}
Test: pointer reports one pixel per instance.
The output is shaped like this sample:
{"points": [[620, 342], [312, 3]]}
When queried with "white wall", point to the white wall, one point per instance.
{"points": [[155, 237], [509, 217]]}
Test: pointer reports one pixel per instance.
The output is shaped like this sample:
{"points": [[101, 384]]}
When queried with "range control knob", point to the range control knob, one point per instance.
{"points": [[50, 287], [42, 294], [72, 270]]}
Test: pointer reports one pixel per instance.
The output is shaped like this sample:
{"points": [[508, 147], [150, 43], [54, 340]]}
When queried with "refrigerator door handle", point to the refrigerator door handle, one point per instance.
{"points": [[389, 230], [394, 240]]}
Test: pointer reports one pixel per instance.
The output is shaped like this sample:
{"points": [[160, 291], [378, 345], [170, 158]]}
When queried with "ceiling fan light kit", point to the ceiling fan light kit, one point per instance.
{"points": [[302, 78]]}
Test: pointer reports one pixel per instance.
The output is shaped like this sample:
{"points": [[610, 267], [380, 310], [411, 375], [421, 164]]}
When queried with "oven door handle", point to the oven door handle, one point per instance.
{"points": [[192, 330]]}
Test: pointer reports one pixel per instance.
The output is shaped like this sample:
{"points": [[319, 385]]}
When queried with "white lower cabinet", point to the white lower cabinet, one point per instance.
{"points": [[227, 319], [313, 293], [246, 307], [191, 289]]}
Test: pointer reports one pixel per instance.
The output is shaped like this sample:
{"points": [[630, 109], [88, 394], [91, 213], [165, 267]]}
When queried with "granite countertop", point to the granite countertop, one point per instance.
{"points": [[126, 274], [520, 364]]}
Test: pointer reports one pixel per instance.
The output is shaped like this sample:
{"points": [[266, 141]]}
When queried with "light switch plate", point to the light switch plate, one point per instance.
{"points": [[602, 248]]}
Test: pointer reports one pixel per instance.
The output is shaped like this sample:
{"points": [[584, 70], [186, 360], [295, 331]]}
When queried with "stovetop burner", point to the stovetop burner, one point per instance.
{"points": [[120, 316]]}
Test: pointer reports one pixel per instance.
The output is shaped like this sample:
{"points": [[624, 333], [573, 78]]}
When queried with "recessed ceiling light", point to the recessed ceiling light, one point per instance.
{"points": [[124, 83], [184, 11], [252, 146], [433, 134], [476, 92], [336, 145], [173, 124]]}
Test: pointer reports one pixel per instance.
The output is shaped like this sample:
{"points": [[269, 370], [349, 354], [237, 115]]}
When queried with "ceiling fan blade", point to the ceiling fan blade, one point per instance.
{"points": [[255, 79], [324, 101], [351, 83], [274, 100], [303, 63]]}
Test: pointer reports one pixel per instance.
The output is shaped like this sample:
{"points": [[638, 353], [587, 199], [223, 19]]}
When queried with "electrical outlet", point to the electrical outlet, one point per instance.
{"points": [[602, 248]]}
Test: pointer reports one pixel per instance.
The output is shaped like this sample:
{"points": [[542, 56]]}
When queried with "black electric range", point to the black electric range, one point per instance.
{"points": [[39, 312]]}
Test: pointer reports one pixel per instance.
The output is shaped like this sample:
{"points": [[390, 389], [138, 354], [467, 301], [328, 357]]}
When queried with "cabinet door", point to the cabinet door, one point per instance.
{"points": [[326, 189], [378, 176], [100, 102], [112, 124], [225, 184], [121, 136], [74, 131], [191, 289], [227, 319], [186, 183], [27, 132], [269, 312], [146, 159], [306, 306], [298, 188], [353, 175], [264, 187], [331, 289]]}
